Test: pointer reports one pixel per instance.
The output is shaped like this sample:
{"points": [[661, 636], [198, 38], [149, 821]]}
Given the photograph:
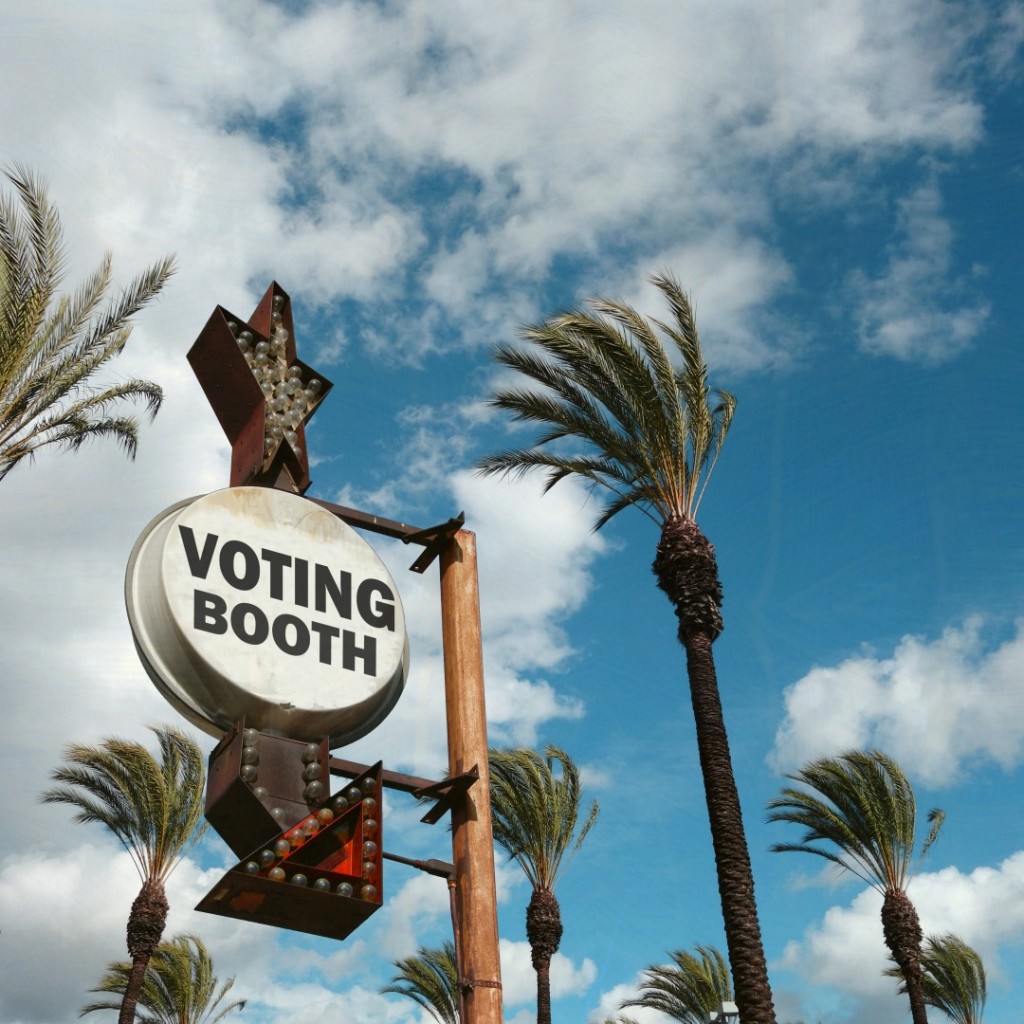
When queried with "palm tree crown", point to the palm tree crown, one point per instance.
{"points": [[155, 808], [430, 978], [954, 978], [651, 436], [633, 415], [688, 989], [179, 987], [535, 813], [51, 346], [862, 807]]}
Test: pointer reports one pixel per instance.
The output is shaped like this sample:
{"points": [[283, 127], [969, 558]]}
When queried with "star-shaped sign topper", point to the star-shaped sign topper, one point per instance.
{"points": [[262, 394]]}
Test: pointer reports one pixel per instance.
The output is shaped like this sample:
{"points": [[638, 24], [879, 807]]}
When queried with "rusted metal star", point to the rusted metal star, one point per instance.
{"points": [[261, 393]]}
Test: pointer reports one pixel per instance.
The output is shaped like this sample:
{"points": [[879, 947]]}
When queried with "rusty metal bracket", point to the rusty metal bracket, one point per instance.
{"points": [[468, 984], [445, 793], [434, 539]]}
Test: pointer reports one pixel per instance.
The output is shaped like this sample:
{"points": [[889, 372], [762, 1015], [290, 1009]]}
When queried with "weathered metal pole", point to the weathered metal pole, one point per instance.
{"points": [[472, 840]]}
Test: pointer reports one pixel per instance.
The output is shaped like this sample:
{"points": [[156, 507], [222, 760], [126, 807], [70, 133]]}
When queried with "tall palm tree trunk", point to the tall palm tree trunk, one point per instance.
{"points": [[544, 932], [903, 936], [735, 878], [145, 929], [687, 571]]}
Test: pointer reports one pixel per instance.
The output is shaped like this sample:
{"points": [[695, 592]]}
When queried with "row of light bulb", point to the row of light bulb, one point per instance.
{"points": [[289, 398], [365, 791]]}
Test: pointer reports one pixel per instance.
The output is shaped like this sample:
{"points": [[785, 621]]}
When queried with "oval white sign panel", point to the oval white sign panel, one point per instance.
{"points": [[253, 602]]}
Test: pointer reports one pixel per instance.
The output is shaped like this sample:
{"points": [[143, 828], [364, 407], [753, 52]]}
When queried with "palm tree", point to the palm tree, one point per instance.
{"points": [[689, 989], [536, 819], [431, 979], [155, 808], [650, 434], [862, 804], [954, 978], [52, 346], [179, 986]]}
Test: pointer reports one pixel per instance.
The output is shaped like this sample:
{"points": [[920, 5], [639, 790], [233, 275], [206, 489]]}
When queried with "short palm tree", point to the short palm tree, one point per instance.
{"points": [[51, 345], [179, 986], [688, 989], [431, 979], [862, 807], [155, 808], [616, 412], [954, 978], [535, 812]]}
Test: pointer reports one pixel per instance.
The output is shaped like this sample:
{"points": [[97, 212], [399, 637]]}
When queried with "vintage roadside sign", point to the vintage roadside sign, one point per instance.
{"points": [[255, 603]]}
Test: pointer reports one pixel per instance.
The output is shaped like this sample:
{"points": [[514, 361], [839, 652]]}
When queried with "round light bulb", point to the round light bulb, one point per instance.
{"points": [[298, 879], [344, 889], [276, 874], [368, 892], [310, 753]]}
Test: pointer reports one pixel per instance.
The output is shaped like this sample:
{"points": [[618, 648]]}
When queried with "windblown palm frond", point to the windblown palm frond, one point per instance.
{"points": [[688, 989], [863, 805], [954, 978], [535, 811], [52, 345], [648, 431], [430, 978], [179, 986], [155, 808]]}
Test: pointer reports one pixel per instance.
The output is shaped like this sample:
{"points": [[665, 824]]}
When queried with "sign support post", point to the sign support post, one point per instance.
{"points": [[472, 839]]}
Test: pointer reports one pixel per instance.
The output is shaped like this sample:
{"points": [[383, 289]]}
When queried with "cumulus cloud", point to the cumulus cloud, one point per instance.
{"points": [[519, 979], [936, 706], [845, 950], [917, 310]]}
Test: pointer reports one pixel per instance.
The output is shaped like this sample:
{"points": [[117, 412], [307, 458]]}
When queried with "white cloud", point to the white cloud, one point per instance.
{"points": [[937, 707], [917, 310], [519, 979], [845, 950]]}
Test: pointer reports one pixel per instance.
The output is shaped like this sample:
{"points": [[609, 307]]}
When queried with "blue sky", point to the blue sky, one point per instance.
{"points": [[838, 186]]}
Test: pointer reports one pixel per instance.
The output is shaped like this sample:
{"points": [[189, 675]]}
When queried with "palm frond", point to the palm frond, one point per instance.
{"points": [[954, 978], [602, 379], [179, 986], [155, 809], [52, 345], [430, 979], [688, 989], [535, 812], [862, 806]]}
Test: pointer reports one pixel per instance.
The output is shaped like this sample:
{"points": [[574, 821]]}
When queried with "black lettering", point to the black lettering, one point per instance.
{"points": [[302, 582], [380, 614], [349, 653], [277, 562], [208, 612], [339, 591], [280, 631], [260, 627], [250, 570], [198, 562], [327, 635]]}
